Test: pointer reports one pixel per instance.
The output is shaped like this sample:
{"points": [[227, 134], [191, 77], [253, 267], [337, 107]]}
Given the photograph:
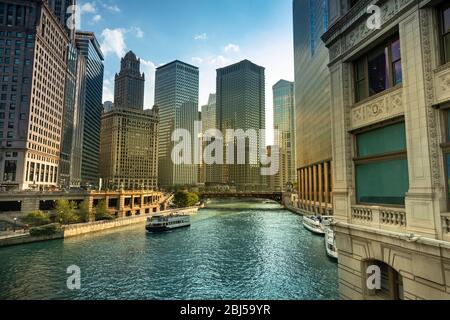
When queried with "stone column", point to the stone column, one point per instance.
{"points": [[342, 140], [320, 176], [315, 195], [422, 200]]}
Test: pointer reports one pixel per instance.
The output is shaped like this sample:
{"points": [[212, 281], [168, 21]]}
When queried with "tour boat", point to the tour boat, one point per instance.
{"points": [[161, 223], [315, 224], [330, 240]]}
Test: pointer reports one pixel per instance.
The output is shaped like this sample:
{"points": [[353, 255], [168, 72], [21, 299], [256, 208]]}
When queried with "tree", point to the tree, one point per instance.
{"points": [[184, 199], [65, 211], [37, 218], [85, 212], [101, 211]]}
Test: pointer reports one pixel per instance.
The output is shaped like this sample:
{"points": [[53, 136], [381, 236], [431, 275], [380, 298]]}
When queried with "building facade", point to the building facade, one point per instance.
{"points": [[209, 123], [176, 95], [284, 125], [312, 107], [240, 105], [129, 84], [92, 106], [390, 100], [129, 149], [32, 42]]}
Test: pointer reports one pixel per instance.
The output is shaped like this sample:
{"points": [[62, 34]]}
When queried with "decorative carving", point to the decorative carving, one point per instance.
{"points": [[432, 114], [388, 106], [442, 85], [353, 29]]}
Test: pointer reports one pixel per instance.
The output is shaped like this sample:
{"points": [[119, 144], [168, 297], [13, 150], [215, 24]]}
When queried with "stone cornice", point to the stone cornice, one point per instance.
{"points": [[351, 30]]}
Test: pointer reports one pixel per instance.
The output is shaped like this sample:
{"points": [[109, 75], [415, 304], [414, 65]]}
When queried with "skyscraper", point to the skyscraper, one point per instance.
{"points": [[312, 104], [33, 47], [64, 10], [284, 123], [129, 135], [129, 84], [92, 104], [208, 123], [176, 94], [129, 149], [241, 105]]}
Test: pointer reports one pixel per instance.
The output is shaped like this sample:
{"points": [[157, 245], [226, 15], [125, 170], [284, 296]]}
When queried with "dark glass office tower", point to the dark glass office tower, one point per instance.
{"points": [[241, 105], [176, 94], [89, 47], [129, 86]]}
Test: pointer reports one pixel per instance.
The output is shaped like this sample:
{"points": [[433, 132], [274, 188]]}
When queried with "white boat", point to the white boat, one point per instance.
{"points": [[315, 224], [330, 240], [160, 223]]}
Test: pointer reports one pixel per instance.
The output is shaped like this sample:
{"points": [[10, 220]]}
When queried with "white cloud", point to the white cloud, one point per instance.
{"points": [[202, 36], [218, 61], [96, 18], [232, 48], [136, 31], [88, 7], [113, 41], [197, 60], [113, 8]]}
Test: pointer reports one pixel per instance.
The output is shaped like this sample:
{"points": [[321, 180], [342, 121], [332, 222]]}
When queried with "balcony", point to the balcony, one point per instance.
{"points": [[380, 217]]}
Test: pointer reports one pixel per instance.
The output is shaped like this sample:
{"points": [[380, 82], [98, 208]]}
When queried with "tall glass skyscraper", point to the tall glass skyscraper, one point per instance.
{"points": [[284, 122], [241, 105], [176, 95], [129, 85], [312, 104], [89, 47]]}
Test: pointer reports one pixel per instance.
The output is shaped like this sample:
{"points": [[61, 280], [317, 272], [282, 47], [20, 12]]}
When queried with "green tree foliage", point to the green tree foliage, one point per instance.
{"points": [[101, 211], [37, 218], [84, 212], [184, 199], [65, 212]]}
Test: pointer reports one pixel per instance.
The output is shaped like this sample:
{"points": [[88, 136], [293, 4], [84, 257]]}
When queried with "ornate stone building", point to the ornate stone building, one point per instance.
{"points": [[390, 99]]}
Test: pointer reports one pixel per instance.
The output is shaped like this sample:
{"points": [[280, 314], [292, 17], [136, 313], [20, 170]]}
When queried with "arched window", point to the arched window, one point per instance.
{"points": [[382, 282]]}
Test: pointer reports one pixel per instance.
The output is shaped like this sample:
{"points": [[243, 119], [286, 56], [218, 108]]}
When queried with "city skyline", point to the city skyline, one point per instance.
{"points": [[258, 33]]}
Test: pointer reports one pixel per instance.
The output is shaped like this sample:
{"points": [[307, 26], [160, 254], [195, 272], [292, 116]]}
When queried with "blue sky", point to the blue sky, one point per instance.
{"points": [[207, 33]]}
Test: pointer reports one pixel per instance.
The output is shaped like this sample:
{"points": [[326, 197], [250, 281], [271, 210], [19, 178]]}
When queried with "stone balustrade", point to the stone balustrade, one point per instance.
{"points": [[380, 217]]}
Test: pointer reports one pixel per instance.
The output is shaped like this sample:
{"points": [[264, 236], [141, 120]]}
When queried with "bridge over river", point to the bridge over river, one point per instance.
{"points": [[275, 196]]}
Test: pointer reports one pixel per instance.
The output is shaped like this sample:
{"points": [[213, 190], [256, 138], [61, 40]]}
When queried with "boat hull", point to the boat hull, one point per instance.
{"points": [[311, 226], [166, 228]]}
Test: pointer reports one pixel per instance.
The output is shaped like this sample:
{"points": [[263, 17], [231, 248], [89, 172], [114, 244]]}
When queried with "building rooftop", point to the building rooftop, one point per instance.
{"points": [[177, 62]]}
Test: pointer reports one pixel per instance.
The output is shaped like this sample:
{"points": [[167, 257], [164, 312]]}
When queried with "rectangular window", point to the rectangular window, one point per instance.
{"points": [[444, 13], [9, 174], [382, 166], [378, 70]]}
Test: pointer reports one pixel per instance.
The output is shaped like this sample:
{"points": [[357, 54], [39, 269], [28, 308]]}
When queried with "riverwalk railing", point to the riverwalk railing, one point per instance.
{"points": [[379, 216]]}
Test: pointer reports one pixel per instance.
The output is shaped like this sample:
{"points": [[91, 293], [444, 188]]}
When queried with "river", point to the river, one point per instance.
{"points": [[233, 250]]}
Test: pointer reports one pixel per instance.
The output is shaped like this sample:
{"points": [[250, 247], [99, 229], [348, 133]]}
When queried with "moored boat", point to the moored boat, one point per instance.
{"points": [[330, 240], [161, 223], [315, 223]]}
